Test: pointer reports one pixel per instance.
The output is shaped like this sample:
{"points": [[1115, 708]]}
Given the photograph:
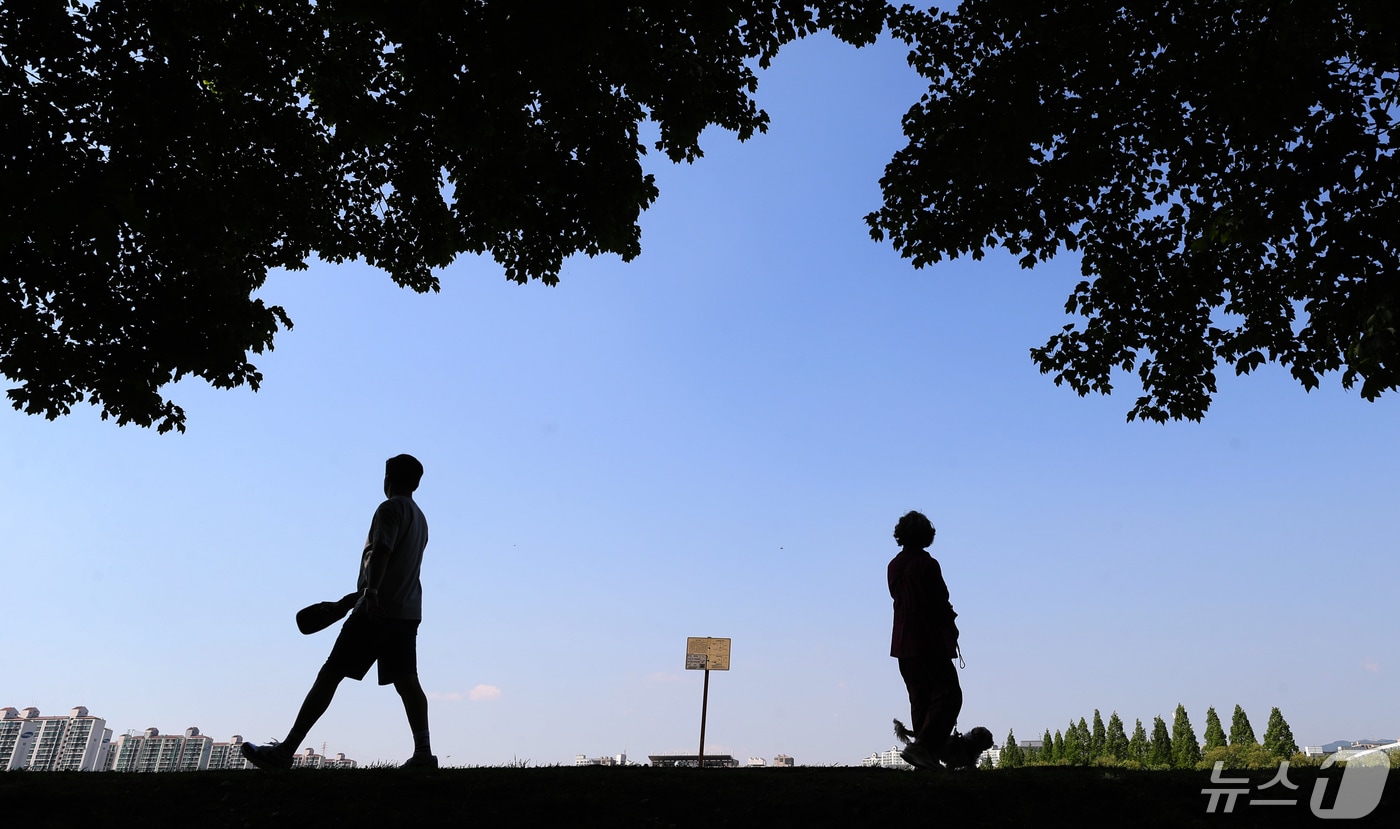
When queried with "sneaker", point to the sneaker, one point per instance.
{"points": [[919, 757], [420, 761], [267, 757]]}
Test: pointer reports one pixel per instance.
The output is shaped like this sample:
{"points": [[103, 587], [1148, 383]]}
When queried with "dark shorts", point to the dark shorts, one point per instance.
{"points": [[365, 639]]}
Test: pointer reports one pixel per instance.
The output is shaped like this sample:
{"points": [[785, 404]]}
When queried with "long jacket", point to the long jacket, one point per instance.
{"points": [[923, 617]]}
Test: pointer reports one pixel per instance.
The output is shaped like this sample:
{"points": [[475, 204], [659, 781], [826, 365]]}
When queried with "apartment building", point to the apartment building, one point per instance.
{"points": [[887, 759], [228, 756], [75, 742], [152, 751], [309, 759]]}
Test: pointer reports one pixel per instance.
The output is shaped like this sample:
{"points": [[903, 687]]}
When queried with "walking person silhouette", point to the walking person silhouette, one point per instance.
{"points": [[382, 627]]}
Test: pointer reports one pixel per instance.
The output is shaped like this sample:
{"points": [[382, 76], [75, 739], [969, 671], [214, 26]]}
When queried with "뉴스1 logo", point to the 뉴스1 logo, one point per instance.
{"points": [[1358, 793], [1363, 782]]}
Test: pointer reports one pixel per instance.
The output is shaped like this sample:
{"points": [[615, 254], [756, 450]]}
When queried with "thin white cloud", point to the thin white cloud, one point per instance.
{"points": [[1371, 667], [484, 693]]}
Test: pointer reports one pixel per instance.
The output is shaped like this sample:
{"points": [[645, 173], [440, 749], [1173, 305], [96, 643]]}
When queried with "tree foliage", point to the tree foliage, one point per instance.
{"points": [[1137, 744], [1278, 737], [1075, 752], [1215, 733], [1239, 756], [1098, 738], [1186, 752], [1012, 756], [1241, 732], [1116, 742], [160, 157], [1159, 750], [1225, 171], [1174, 748]]}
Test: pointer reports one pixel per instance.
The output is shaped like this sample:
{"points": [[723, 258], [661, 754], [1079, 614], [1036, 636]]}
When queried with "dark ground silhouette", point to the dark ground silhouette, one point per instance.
{"points": [[612, 797]]}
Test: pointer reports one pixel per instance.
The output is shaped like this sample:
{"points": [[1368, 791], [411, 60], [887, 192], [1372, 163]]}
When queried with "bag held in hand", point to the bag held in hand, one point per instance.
{"points": [[319, 616]]}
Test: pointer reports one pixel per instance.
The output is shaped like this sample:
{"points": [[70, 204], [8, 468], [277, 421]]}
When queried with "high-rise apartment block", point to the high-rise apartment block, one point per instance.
{"points": [[76, 742], [226, 756], [82, 742], [153, 751], [311, 760]]}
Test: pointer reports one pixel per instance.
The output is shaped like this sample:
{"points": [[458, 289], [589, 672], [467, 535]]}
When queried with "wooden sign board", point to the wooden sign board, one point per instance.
{"points": [[703, 654]]}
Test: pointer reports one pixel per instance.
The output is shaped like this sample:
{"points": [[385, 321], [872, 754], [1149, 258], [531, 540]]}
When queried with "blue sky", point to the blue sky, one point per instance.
{"points": [[713, 440]]}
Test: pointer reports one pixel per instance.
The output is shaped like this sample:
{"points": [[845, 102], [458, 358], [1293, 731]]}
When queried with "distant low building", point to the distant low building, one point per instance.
{"points": [[782, 761], [615, 760], [715, 761], [76, 742], [756, 763]]}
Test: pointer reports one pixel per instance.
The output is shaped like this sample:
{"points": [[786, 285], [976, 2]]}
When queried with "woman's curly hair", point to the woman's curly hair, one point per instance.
{"points": [[914, 530]]}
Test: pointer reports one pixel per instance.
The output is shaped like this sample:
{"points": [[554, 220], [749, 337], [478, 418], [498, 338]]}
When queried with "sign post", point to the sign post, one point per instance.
{"points": [[705, 654]]}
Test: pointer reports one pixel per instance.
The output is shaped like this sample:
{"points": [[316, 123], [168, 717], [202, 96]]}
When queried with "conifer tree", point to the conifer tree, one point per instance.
{"points": [[1059, 751], [1046, 755], [1098, 740], [1116, 742], [1278, 737], [1159, 751], [1137, 746], [1011, 756], [1241, 733], [1215, 734], [1074, 750], [1186, 752]]}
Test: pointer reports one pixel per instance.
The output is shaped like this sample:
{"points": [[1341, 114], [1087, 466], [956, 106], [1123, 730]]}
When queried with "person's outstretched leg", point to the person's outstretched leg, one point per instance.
{"points": [[415, 705], [318, 699]]}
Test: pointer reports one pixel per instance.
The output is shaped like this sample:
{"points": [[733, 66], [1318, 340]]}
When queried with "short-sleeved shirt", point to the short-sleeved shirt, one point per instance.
{"points": [[400, 526], [923, 616]]}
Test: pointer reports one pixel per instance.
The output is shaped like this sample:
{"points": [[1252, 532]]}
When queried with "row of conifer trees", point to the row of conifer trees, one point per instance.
{"points": [[1082, 744]]}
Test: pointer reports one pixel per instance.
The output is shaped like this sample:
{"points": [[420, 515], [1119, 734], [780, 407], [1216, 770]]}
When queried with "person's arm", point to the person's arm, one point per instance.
{"points": [[378, 565], [941, 608], [384, 531]]}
